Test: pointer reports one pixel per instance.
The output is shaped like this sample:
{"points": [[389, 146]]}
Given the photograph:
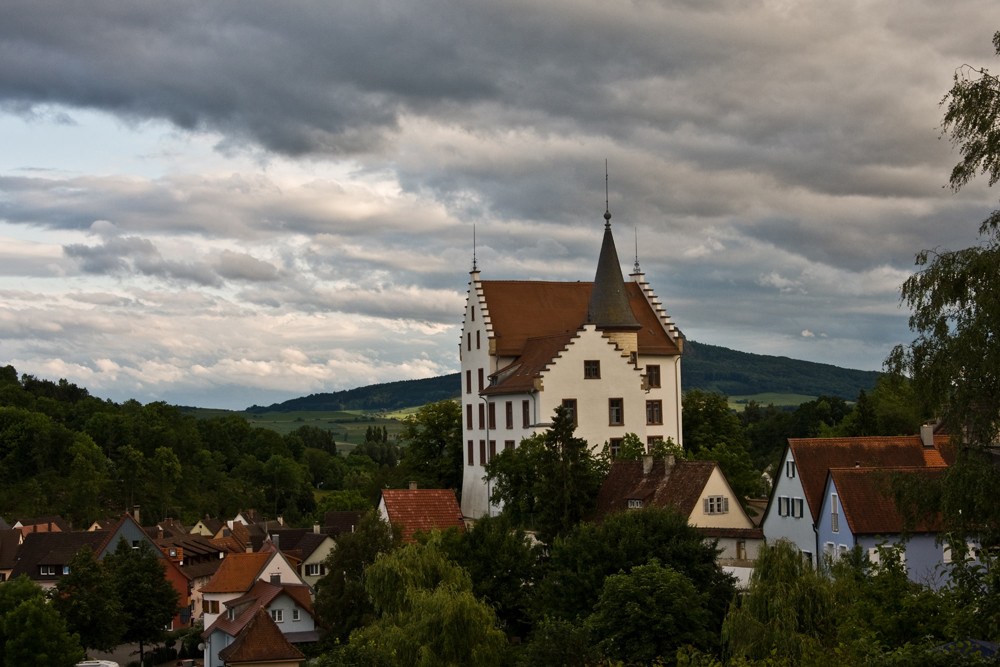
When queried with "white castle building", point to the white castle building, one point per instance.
{"points": [[604, 349]]}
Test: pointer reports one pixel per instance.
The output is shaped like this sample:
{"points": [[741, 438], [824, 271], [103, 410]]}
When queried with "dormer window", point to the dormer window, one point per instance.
{"points": [[635, 503]]}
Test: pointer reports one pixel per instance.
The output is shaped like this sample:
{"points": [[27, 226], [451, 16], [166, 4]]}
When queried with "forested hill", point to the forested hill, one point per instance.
{"points": [[707, 367]]}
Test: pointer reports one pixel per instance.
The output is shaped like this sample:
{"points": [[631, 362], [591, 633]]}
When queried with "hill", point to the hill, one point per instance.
{"points": [[707, 367]]}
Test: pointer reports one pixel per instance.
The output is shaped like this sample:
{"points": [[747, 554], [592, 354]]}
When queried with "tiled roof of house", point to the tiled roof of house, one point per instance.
{"points": [[536, 355], [44, 524], [815, 456], [10, 542], [260, 640], [212, 524], [237, 573], [422, 510], [55, 549], [520, 310], [342, 521], [265, 593], [233, 540], [865, 494], [626, 481]]}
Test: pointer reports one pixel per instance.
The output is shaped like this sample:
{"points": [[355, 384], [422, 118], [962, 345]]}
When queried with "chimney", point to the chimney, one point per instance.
{"points": [[927, 435], [316, 528], [413, 485], [275, 542], [647, 464], [281, 520], [668, 465], [135, 514]]}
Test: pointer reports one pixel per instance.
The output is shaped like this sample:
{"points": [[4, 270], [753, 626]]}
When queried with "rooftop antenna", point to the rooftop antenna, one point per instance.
{"points": [[474, 267], [607, 207], [636, 269]]}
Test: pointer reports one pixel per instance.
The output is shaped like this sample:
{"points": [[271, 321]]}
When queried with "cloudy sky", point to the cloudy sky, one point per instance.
{"points": [[241, 202]]}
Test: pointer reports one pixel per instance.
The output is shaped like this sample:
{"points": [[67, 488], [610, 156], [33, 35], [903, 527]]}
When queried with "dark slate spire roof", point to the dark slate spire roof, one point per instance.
{"points": [[609, 307]]}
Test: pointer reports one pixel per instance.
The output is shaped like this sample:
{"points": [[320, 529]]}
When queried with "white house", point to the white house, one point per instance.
{"points": [[604, 349]]}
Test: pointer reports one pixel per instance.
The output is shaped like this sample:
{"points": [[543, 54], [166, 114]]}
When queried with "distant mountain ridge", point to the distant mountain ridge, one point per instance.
{"points": [[706, 367]]}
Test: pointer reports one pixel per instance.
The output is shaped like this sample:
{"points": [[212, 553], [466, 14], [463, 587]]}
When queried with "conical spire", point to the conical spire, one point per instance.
{"points": [[609, 307]]}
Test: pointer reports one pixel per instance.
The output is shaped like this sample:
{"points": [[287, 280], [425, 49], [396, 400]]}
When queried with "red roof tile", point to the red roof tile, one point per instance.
{"points": [[867, 500], [260, 640], [422, 510], [815, 456], [520, 310], [237, 573]]}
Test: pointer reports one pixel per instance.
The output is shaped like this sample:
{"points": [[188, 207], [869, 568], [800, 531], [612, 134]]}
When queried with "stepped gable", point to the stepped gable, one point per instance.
{"points": [[520, 376], [868, 504], [521, 310], [815, 456], [260, 642]]}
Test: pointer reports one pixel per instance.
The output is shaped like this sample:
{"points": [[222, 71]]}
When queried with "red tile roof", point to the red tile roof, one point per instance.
{"points": [[681, 489], [520, 310], [815, 456], [867, 499], [260, 640], [237, 573], [422, 510]]}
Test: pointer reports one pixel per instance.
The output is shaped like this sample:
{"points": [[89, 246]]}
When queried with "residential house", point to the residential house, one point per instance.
{"points": [[797, 493], [307, 548], [420, 510], [245, 582], [198, 558], [857, 509], [341, 521], [261, 643], [698, 490], [45, 524], [208, 526], [605, 350]]}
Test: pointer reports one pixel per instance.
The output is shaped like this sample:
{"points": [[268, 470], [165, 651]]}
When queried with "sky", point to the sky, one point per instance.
{"points": [[240, 202]]}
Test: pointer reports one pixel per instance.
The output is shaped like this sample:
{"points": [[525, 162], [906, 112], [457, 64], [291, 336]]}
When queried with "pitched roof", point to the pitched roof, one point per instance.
{"points": [[10, 542], [680, 489], [260, 640], [341, 521], [520, 310], [55, 549], [237, 573], [815, 456], [867, 500], [422, 510]]}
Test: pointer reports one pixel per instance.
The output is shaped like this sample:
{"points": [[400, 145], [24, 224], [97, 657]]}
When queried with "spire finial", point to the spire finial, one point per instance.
{"points": [[636, 269], [474, 266], [607, 207]]}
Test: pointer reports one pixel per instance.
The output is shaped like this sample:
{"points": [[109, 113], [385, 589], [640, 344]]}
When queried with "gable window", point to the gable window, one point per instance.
{"points": [[653, 376], [295, 614], [797, 507], [616, 447], [592, 369], [635, 503], [315, 570], [789, 468], [493, 416], [472, 461], [716, 505], [525, 414], [278, 615], [834, 514], [616, 411], [570, 405], [509, 414], [654, 412], [783, 506]]}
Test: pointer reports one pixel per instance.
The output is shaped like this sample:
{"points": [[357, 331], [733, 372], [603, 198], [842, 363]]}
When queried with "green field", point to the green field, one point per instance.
{"points": [[347, 426], [778, 400]]}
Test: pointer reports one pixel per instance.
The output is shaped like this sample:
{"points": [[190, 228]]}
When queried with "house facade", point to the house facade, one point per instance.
{"points": [[793, 510], [606, 350]]}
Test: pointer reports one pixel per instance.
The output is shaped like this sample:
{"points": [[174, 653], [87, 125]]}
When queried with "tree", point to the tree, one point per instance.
{"points": [[432, 444], [428, 614], [342, 602], [86, 599], [148, 600], [36, 635], [954, 299], [555, 477], [648, 613], [708, 421]]}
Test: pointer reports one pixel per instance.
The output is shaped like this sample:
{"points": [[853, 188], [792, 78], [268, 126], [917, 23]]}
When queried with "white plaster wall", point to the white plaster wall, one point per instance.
{"points": [[734, 518]]}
